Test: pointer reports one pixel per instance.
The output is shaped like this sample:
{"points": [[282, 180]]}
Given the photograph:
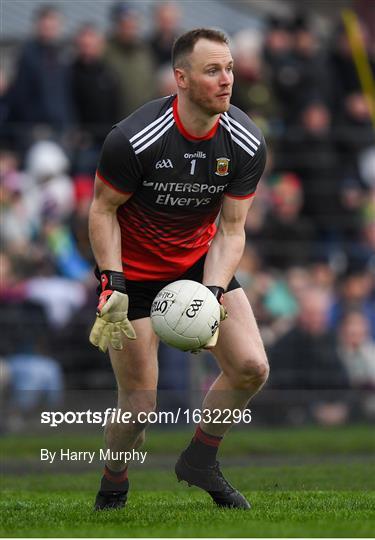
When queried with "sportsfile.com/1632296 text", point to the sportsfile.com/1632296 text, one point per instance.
{"points": [[113, 415]]}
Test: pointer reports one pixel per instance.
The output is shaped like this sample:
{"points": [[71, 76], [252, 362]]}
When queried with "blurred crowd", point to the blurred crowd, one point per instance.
{"points": [[309, 264]]}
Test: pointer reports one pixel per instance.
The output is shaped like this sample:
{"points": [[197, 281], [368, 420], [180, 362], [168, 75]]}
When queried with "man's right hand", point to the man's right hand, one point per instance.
{"points": [[112, 313]]}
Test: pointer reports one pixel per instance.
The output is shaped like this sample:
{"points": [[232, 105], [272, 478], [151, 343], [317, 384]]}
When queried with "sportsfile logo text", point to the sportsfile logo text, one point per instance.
{"points": [[113, 415]]}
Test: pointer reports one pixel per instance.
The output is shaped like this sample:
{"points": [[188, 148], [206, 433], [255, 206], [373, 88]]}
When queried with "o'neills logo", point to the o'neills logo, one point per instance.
{"points": [[222, 166]]}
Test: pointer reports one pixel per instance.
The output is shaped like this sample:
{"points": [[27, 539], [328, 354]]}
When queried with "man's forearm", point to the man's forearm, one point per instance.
{"points": [[223, 258], [105, 238]]}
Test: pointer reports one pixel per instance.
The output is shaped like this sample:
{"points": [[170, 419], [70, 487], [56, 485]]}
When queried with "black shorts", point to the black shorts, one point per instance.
{"points": [[142, 293]]}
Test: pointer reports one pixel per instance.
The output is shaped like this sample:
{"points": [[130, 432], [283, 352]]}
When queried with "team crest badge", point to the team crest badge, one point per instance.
{"points": [[222, 166]]}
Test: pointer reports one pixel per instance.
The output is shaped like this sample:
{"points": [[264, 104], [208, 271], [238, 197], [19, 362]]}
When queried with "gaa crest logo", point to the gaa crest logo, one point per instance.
{"points": [[222, 166], [194, 308]]}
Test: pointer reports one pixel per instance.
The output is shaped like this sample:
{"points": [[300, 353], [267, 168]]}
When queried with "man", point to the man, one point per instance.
{"points": [[306, 358], [164, 175], [166, 18], [130, 57], [40, 93], [95, 86]]}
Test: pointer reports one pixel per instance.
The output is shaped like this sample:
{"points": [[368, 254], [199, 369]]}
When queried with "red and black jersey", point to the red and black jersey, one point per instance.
{"points": [[177, 182]]}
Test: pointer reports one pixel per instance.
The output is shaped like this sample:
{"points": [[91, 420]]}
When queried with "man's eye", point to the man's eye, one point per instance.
{"points": [[212, 72]]}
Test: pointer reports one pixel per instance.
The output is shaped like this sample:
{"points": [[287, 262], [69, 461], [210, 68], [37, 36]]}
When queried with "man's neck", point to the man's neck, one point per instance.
{"points": [[194, 120]]}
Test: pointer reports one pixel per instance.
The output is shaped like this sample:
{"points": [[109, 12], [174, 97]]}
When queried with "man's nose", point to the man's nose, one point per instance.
{"points": [[225, 78]]}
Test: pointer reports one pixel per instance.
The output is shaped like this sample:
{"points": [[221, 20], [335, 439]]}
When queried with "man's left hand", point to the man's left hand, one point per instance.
{"points": [[218, 292]]}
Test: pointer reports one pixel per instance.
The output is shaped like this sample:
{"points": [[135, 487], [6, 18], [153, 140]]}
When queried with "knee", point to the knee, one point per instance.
{"points": [[252, 373], [140, 415], [140, 440], [132, 419]]}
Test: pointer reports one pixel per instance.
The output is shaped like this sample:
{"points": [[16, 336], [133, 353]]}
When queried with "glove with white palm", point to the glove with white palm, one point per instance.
{"points": [[112, 313]]}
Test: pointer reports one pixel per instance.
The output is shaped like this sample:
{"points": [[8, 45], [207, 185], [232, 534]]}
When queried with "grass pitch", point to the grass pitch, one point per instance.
{"points": [[310, 493]]}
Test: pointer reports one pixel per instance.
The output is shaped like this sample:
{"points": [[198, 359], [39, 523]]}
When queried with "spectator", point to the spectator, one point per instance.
{"points": [[314, 81], [35, 302], [355, 135], [355, 293], [365, 249], [166, 29], [357, 350], [287, 238], [60, 297], [35, 381], [66, 256], [24, 323], [351, 109], [96, 89], [306, 358], [53, 190], [40, 95], [130, 58], [251, 90], [282, 66], [345, 78], [19, 217], [309, 150], [323, 274]]}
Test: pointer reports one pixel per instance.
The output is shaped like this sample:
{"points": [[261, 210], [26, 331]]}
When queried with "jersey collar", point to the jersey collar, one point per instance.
{"points": [[186, 134]]}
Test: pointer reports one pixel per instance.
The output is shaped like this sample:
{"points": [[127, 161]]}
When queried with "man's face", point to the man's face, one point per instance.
{"points": [[128, 28], [48, 27], [90, 45], [209, 79]]}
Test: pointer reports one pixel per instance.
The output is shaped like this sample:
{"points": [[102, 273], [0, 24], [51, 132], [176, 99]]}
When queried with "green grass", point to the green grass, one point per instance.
{"points": [[287, 501], [313, 482], [252, 441]]}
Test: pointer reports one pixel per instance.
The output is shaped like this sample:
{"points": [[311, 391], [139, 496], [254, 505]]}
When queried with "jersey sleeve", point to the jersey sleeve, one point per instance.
{"points": [[118, 165], [249, 170]]}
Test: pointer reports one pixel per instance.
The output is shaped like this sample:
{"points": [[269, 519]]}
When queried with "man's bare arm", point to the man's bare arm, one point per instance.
{"points": [[104, 229], [228, 245], [105, 237]]}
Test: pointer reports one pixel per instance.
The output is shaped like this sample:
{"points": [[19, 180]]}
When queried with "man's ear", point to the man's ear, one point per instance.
{"points": [[180, 76]]}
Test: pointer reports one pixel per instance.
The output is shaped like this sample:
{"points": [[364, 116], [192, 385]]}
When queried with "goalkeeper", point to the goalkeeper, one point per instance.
{"points": [[164, 175]]}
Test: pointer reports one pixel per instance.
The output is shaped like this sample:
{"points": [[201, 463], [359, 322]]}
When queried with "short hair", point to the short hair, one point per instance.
{"points": [[45, 11], [184, 45]]}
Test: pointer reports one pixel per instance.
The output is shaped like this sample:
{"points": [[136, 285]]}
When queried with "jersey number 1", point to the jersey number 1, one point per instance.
{"points": [[192, 168]]}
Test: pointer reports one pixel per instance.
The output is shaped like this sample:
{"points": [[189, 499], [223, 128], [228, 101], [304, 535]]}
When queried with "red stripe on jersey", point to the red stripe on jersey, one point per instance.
{"points": [[153, 246], [152, 268], [187, 135], [111, 185], [240, 196]]}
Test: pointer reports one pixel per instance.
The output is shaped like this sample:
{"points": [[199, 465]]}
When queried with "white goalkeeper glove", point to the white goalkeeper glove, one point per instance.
{"points": [[218, 292], [112, 313]]}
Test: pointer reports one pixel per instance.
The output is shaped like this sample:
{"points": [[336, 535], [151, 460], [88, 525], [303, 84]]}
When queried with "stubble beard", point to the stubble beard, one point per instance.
{"points": [[205, 104]]}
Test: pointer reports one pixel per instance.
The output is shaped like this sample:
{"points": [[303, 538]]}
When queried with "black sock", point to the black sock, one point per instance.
{"points": [[202, 450], [114, 480]]}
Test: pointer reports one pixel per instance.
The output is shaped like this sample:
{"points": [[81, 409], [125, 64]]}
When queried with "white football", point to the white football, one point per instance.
{"points": [[185, 314]]}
